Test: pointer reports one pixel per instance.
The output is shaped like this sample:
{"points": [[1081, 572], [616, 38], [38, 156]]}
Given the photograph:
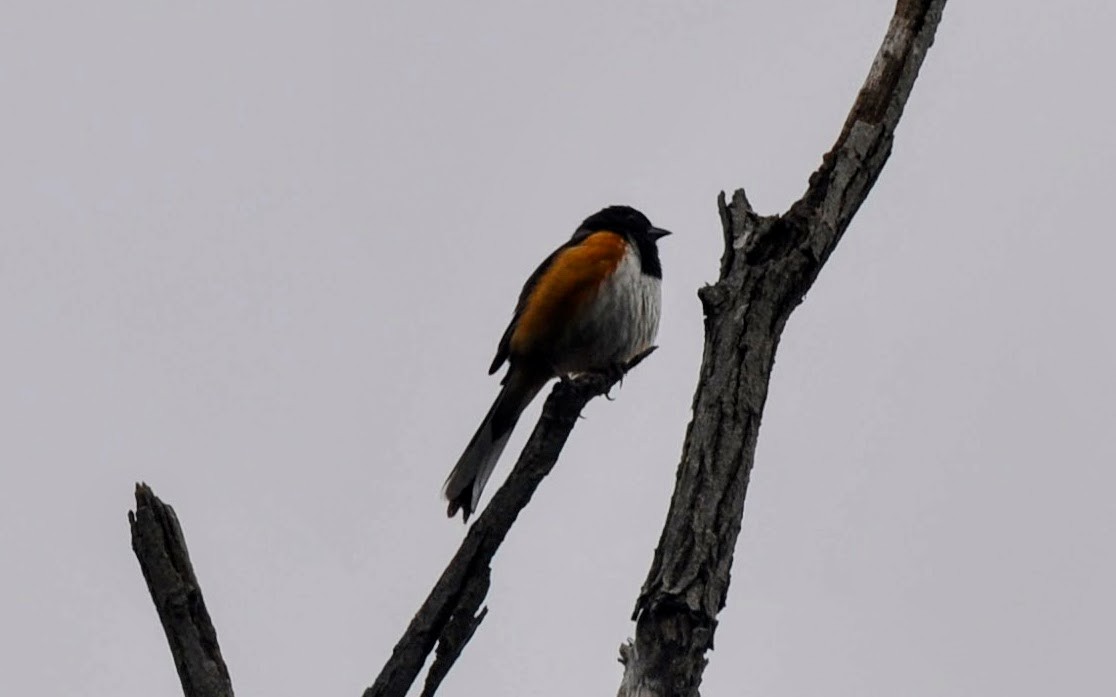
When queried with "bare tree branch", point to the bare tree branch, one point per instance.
{"points": [[768, 265], [448, 617], [161, 550], [449, 614]]}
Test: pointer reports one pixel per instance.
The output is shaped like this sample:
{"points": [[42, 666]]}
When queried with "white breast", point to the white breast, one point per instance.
{"points": [[621, 321]]}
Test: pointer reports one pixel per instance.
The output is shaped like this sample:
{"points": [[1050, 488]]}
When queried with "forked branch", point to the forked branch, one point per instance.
{"points": [[768, 265]]}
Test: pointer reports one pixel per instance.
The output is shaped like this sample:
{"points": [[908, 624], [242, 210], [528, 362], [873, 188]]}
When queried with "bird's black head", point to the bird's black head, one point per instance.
{"points": [[627, 221]]}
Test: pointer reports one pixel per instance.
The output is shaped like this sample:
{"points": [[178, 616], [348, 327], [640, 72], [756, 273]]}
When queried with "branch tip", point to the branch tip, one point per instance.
{"points": [[160, 548]]}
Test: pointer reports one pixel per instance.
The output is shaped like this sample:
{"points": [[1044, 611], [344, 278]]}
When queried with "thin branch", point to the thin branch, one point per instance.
{"points": [[768, 265], [449, 616], [161, 550]]}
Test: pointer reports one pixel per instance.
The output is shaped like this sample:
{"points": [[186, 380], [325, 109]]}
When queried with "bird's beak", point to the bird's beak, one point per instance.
{"points": [[657, 233]]}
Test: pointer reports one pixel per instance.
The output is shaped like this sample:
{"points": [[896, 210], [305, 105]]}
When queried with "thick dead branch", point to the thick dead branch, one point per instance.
{"points": [[768, 265], [161, 550], [449, 616]]}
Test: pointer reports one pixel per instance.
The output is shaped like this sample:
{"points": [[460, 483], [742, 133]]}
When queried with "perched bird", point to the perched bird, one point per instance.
{"points": [[591, 306]]}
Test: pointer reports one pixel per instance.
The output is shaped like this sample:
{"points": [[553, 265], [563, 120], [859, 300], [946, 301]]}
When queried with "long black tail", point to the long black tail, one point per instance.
{"points": [[464, 485]]}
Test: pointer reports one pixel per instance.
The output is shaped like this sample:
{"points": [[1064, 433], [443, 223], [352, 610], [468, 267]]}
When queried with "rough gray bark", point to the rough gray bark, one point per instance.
{"points": [[449, 616], [161, 550], [768, 265]]}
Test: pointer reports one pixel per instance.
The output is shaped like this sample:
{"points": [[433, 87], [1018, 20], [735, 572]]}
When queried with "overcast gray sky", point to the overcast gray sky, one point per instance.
{"points": [[258, 254]]}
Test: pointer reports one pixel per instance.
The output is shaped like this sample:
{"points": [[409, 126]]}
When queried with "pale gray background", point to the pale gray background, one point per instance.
{"points": [[259, 254]]}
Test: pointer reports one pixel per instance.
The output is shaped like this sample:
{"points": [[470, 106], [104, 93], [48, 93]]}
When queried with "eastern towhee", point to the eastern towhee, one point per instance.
{"points": [[592, 305]]}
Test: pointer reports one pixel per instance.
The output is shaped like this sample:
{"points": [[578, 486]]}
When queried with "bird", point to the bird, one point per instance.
{"points": [[591, 306]]}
